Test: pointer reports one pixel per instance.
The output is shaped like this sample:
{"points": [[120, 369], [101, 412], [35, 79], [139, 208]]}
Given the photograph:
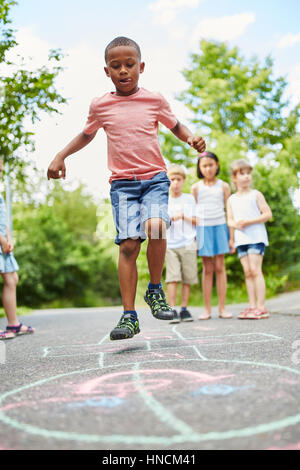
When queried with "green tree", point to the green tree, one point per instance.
{"points": [[23, 94], [61, 261], [241, 109]]}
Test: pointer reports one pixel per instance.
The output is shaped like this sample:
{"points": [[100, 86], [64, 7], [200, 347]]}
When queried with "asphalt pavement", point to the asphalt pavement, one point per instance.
{"points": [[216, 384]]}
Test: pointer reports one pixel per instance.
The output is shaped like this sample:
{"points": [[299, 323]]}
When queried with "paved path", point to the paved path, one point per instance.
{"points": [[219, 384]]}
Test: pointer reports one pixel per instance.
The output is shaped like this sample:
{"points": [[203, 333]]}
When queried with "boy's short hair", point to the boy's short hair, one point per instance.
{"points": [[122, 41], [176, 170], [239, 165]]}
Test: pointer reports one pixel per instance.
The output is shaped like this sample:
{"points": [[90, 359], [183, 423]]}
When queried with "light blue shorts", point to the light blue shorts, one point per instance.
{"points": [[135, 201]]}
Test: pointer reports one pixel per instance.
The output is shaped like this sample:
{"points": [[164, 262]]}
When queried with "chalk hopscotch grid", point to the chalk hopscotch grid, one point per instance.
{"points": [[185, 432], [47, 352]]}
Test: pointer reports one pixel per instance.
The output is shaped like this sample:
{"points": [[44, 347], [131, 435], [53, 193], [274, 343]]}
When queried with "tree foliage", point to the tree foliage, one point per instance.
{"points": [[61, 261], [24, 94], [242, 110]]}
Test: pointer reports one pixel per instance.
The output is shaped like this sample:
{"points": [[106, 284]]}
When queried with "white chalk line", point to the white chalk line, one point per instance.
{"points": [[186, 434], [144, 440]]}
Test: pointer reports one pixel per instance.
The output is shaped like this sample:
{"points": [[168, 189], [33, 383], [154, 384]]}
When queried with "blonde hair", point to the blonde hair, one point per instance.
{"points": [[176, 170], [239, 165]]}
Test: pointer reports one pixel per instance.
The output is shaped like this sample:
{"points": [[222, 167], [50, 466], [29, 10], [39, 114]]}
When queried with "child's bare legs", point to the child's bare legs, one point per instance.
{"points": [[9, 297], [185, 294], [207, 284], [156, 250], [128, 276], [221, 281], [250, 284], [255, 263], [172, 293]]}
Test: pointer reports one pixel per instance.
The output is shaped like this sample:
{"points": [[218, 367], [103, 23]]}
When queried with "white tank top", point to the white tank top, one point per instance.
{"points": [[211, 200], [244, 207]]}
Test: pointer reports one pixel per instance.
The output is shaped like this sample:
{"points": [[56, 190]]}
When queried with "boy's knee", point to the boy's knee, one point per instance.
{"points": [[130, 247], [156, 229]]}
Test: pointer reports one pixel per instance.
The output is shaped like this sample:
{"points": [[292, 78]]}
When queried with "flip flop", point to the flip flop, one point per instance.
{"points": [[204, 317], [225, 315]]}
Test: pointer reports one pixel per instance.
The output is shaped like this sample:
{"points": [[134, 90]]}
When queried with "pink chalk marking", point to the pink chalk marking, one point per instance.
{"points": [[288, 447], [288, 381], [100, 386], [155, 354], [203, 328], [157, 337]]}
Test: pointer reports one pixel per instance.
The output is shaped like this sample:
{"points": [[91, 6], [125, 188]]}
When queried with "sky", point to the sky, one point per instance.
{"points": [[168, 31]]}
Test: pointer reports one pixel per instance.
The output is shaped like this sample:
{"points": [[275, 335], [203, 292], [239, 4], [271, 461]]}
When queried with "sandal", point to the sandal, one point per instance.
{"points": [[225, 315], [244, 314], [258, 314], [17, 330], [6, 335]]}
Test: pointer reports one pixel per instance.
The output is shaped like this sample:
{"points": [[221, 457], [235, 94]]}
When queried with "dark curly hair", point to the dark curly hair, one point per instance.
{"points": [[122, 41], [208, 155]]}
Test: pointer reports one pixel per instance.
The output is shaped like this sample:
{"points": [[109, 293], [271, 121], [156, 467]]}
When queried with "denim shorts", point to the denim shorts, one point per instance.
{"points": [[251, 249], [135, 201]]}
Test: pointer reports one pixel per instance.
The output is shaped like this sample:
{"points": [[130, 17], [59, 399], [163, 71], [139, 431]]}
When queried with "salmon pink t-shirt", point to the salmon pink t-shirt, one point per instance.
{"points": [[131, 126]]}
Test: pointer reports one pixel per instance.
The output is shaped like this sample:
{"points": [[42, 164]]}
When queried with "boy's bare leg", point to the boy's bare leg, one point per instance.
{"points": [[185, 294], [156, 250], [128, 276], [172, 293]]}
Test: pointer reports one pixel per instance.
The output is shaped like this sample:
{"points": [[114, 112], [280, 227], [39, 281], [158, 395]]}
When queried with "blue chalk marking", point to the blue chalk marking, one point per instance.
{"points": [[105, 402], [219, 389]]}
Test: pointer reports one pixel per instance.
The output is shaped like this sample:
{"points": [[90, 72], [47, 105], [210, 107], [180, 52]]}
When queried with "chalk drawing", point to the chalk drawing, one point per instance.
{"points": [[105, 402], [287, 447], [220, 389], [108, 386]]}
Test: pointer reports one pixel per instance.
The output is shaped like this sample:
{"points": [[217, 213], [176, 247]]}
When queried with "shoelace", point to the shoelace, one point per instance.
{"points": [[160, 302], [126, 320]]}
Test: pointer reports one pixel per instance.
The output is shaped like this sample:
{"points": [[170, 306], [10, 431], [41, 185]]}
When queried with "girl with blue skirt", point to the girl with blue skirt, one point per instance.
{"points": [[211, 194]]}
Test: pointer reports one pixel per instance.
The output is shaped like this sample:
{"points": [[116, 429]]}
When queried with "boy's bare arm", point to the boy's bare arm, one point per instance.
{"points": [[184, 134], [57, 168]]}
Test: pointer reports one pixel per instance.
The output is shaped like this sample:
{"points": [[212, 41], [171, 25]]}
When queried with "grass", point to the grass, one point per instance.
{"points": [[21, 311]]}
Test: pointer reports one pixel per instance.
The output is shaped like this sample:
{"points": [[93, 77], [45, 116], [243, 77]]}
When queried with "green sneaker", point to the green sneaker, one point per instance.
{"points": [[160, 309], [127, 327]]}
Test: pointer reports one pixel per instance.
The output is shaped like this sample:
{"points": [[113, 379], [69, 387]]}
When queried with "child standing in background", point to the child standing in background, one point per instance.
{"points": [[213, 239], [8, 268], [181, 255], [247, 211]]}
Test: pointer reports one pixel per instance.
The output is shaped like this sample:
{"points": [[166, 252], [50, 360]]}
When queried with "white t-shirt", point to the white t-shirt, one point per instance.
{"points": [[244, 207], [181, 233]]}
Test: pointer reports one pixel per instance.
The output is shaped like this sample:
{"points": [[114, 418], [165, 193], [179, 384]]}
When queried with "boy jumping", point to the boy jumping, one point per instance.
{"points": [[139, 184]]}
